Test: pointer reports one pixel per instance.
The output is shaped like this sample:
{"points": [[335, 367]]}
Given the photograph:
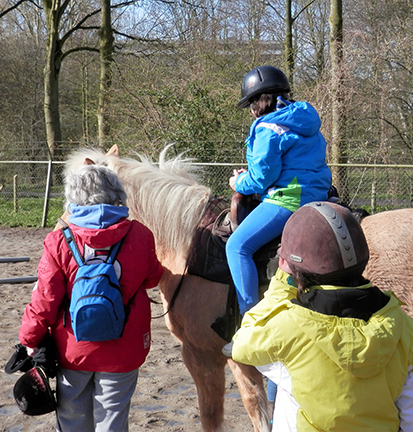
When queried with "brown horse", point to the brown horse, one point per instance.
{"points": [[167, 198]]}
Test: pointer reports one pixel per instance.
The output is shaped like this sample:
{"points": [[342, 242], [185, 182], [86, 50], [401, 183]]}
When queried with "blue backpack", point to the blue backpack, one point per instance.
{"points": [[96, 307]]}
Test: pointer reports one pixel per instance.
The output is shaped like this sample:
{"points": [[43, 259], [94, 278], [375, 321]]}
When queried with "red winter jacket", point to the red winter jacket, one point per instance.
{"points": [[140, 270]]}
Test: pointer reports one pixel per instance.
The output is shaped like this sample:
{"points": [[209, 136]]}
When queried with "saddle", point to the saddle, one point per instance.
{"points": [[208, 259]]}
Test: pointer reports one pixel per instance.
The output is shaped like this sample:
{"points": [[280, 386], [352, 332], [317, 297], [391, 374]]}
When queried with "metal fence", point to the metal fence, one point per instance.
{"points": [[34, 189]]}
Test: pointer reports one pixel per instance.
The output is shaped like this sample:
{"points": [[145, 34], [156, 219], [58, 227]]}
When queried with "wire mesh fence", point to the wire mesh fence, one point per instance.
{"points": [[372, 187], [31, 193], [27, 198], [377, 187]]}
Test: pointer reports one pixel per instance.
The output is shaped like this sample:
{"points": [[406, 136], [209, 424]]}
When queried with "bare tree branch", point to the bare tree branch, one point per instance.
{"points": [[398, 131], [15, 6], [140, 39], [303, 9], [61, 10], [266, 3], [126, 3], [401, 65], [77, 49], [78, 26]]}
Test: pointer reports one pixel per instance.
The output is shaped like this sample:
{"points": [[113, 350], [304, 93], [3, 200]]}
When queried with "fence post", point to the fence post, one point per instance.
{"points": [[15, 203], [47, 193], [373, 196]]}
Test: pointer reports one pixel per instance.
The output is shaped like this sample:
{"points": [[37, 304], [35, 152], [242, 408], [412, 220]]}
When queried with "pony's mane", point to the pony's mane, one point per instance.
{"points": [[164, 196]]}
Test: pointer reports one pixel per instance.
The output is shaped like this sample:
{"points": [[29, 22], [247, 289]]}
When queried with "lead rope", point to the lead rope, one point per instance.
{"points": [[174, 297]]}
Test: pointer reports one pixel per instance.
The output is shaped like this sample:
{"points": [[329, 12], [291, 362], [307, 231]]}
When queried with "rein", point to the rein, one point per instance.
{"points": [[174, 297]]}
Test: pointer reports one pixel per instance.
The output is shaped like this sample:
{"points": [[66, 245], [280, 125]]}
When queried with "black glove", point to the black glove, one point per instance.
{"points": [[47, 356], [19, 361]]}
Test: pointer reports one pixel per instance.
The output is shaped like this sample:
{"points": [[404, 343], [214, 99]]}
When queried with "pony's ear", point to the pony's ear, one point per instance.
{"points": [[88, 162], [114, 151]]}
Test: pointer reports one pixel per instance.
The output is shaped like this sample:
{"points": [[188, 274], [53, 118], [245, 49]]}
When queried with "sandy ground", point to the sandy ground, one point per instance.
{"points": [[165, 398]]}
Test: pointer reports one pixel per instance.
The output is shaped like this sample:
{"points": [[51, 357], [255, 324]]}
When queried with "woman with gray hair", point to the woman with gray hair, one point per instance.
{"points": [[93, 184], [96, 379]]}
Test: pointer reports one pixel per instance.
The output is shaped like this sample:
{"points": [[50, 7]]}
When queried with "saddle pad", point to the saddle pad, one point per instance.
{"points": [[208, 258]]}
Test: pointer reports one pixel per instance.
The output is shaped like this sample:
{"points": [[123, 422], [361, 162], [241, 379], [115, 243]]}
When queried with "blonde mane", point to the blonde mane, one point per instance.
{"points": [[164, 196]]}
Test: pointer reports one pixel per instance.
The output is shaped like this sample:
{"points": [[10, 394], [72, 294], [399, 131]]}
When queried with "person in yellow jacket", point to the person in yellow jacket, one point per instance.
{"points": [[339, 349]]}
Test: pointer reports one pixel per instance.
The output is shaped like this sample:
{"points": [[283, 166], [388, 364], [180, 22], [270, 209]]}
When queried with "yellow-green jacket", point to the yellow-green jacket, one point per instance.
{"points": [[345, 374]]}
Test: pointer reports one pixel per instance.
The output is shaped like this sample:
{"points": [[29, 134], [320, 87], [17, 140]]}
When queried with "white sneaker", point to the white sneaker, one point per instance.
{"points": [[227, 349]]}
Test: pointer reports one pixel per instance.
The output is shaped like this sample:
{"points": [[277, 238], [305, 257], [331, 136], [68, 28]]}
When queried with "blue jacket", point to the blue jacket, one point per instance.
{"points": [[286, 158]]}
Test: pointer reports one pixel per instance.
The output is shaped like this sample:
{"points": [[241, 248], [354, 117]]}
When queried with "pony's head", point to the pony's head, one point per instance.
{"points": [[91, 156]]}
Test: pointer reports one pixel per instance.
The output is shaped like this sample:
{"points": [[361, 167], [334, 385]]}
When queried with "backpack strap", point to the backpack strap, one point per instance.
{"points": [[114, 250], [127, 310], [63, 223], [70, 241]]}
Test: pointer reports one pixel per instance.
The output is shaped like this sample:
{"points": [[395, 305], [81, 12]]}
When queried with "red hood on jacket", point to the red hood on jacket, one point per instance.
{"points": [[100, 238]]}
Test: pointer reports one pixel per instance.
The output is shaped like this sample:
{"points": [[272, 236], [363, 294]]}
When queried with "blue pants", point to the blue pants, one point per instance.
{"points": [[262, 225], [271, 391]]}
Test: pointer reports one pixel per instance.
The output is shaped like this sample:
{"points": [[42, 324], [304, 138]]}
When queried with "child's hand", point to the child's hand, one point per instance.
{"points": [[234, 177]]}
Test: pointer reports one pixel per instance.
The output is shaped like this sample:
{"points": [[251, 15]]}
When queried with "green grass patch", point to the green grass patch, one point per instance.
{"points": [[29, 212]]}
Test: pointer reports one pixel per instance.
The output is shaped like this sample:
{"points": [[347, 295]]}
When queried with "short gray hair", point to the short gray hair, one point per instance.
{"points": [[93, 184]]}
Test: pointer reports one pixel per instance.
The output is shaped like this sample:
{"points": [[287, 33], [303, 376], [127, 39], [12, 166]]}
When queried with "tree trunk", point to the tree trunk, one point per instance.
{"points": [[338, 150], [85, 102], [288, 43], [106, 50], [51, 75]]}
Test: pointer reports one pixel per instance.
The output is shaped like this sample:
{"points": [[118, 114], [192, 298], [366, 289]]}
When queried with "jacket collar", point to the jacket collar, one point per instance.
{"points": [[359, 302], [97, 216]]}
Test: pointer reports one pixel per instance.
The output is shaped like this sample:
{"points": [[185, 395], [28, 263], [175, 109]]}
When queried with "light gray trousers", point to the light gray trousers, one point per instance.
{"points": [[93, 401]]}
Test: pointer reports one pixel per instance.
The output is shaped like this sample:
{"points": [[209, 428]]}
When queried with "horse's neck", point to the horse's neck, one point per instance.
{"points": [[172, 213]]}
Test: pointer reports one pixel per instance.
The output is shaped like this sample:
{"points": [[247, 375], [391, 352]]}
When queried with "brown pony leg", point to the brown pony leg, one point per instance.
{"points": [[254, 397], [208, 373]]}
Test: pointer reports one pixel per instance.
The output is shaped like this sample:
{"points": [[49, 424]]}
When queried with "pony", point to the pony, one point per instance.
{"points": [[389, 236], [168, 199]]}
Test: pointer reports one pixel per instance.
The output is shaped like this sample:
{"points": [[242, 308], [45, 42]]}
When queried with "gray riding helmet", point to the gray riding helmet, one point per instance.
{"points": [[324, 239]]}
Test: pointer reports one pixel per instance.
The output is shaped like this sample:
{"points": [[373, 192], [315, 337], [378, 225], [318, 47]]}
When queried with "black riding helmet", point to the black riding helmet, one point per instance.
{"points": [[33, 394], [263, 79]]}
